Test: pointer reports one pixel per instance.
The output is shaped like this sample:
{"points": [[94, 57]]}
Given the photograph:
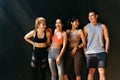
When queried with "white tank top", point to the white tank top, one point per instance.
{"points": [[95, 41]]}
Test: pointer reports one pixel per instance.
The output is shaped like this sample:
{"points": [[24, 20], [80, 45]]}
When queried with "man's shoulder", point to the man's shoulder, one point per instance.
{"points": [[103, 25]]}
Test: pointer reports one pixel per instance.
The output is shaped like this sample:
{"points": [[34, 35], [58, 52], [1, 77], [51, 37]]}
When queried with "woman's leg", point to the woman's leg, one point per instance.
{"points": [[60, 70], [78, 64], [52, 65], [67, 64], [43, 68], [34, 66]]}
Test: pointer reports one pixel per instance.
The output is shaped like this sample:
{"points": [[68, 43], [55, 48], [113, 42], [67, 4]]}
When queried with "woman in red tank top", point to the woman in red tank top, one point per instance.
{"points": [[56, 51]]}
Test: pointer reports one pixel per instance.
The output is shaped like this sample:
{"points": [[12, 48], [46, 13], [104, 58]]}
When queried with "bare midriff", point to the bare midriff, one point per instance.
{"points": [[40, 45], [55, 45], [74, 44]]}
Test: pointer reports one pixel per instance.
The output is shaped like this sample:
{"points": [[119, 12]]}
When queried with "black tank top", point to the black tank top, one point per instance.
{"points": [[40, 40]]}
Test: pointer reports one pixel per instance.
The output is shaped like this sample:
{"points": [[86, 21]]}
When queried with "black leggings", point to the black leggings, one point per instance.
{"points": [[39, 64], [75, 60]]}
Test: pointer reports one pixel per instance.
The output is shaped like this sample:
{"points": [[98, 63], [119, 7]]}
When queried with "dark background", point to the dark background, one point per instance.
{"points": [[17, 18]]}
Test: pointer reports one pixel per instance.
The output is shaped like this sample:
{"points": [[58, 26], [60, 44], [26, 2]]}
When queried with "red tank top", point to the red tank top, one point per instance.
{"points": [[55, 39]]}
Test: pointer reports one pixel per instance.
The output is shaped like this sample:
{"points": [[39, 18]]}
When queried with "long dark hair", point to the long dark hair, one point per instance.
{"points": [[63, 23]]}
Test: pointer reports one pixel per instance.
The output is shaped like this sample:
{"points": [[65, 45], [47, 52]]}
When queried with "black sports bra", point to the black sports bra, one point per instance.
{"points": [[40, 40]]}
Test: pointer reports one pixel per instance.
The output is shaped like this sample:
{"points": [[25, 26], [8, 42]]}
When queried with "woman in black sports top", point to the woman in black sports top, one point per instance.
{"points": [[40, 42]]}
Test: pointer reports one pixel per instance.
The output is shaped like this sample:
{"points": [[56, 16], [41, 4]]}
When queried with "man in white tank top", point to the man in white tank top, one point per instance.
{"points": [[96, 34]]}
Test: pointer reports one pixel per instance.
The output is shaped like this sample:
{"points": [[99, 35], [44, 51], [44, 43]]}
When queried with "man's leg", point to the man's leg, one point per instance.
{"points": [[91, 73], [102, 73]]}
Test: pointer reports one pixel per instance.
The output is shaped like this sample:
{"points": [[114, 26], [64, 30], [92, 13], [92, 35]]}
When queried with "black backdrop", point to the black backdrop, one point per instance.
{"points": [[17, 18]]}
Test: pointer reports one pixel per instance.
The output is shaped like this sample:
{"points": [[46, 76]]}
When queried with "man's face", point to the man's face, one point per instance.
{"points": [[92, 17]]}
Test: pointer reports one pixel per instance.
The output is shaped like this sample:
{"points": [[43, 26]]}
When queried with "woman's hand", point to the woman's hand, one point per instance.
{"points": [[74, 50], [58, 60], [33, 46]]}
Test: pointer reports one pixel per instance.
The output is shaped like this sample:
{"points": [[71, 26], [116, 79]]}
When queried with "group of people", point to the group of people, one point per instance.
{"points": [[60, 50]]}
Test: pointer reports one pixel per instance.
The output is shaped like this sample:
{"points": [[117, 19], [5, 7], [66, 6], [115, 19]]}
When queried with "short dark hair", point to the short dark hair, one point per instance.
{"points": [[94, 11]]}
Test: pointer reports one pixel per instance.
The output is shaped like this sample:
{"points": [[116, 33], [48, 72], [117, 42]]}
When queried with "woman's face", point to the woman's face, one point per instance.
{"points": [[42, 25], [75, 23], [58, 24]]}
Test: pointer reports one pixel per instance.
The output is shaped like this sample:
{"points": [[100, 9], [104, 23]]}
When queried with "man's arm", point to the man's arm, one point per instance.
{"points": [[106, 37]]}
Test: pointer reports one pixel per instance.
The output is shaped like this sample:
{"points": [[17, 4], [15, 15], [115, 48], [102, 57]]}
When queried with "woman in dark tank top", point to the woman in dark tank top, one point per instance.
{"points": [[73, 53], [41, 41]]}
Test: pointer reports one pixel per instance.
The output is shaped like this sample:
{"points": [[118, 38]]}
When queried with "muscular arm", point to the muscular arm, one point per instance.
{"points": [[28, 36], [106, 36]]}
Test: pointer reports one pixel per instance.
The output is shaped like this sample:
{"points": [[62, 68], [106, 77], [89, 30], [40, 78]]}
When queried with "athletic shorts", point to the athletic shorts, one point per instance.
{"points": [[96, 60]]}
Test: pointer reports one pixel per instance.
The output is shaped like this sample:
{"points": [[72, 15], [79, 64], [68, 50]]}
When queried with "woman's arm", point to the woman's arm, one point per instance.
{"points": [[49, 35], [58, 60], [28, 36], [85, 31], [82, 38], [64, 44]]}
